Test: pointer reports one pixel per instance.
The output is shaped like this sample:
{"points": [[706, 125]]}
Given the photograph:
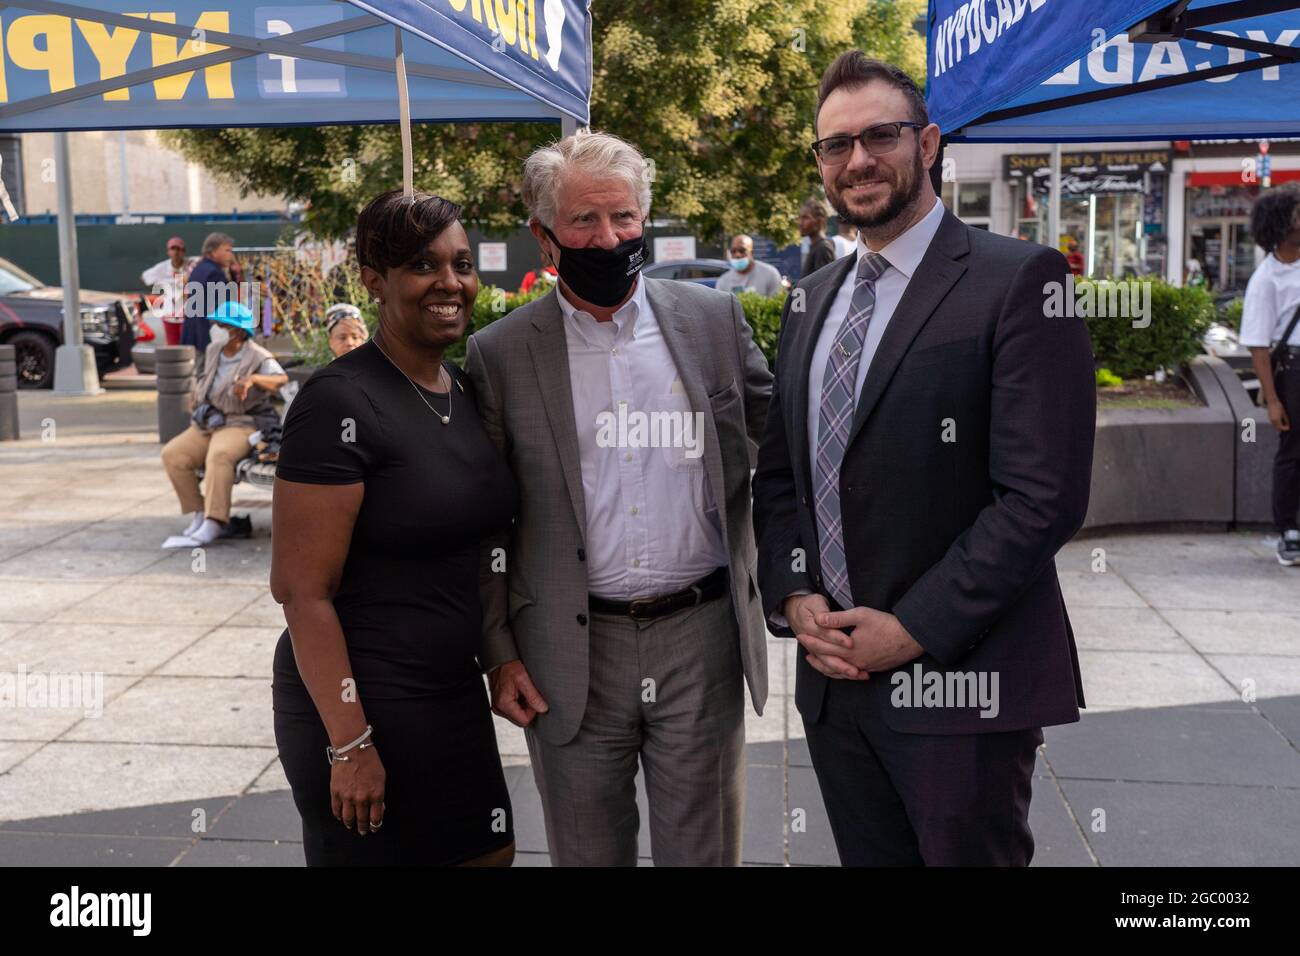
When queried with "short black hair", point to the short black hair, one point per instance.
{"points": [[393, 229], [854, 68], [1275, 215]]}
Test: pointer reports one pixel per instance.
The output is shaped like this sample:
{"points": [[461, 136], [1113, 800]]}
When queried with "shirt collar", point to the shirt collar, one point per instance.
{"points": [[633, 309], [906, 251]]}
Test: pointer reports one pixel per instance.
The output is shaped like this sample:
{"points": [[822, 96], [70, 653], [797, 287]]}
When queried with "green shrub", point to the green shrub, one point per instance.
{"points": [[763, 313], [1106, 378], [1179, 319], [1230, 314]]}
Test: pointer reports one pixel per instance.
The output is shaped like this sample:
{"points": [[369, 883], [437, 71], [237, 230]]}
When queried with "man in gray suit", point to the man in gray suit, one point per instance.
{"points": [[627, 615]]}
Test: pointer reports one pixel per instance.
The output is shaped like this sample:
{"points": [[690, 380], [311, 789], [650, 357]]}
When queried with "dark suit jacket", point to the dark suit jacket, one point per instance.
{"points": [[957, 538]]}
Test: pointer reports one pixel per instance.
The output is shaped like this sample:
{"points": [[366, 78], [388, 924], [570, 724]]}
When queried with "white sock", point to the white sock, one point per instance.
{"points": [[196, 520], [209, 531]]}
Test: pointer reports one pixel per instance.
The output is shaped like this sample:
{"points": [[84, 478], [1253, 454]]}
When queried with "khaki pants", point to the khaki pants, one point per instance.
{"points": [[216, 453]]}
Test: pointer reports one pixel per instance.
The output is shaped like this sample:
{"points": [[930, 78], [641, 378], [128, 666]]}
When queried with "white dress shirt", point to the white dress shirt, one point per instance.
{"points": [[904, 255], [652, 522]]}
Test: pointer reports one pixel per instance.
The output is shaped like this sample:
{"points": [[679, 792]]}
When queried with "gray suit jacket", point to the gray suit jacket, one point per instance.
{"points": [[536, 612]]}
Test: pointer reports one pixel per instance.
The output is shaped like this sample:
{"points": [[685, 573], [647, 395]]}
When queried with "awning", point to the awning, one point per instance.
{"points": [[193, 63], [1070, 70]]}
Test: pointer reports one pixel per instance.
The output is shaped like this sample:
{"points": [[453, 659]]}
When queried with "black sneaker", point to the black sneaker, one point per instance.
{"points": [[1288, 549], [239, 526]]}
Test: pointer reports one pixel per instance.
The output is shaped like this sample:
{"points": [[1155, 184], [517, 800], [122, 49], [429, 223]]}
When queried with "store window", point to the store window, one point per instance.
{"points": [[973, 202], [1218, 235]]}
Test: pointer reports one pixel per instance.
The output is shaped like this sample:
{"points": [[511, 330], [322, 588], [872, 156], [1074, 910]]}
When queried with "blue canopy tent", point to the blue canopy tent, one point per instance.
{"points": [[1052, 70], [1068, 70], [225, 63]]}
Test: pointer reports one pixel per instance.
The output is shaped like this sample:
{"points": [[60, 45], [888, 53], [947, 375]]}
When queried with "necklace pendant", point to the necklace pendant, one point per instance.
{"points": [[446, 419]]}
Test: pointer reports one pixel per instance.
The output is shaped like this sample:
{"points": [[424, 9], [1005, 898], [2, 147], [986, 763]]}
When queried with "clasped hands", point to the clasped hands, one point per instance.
{"points": [[848, 644]]}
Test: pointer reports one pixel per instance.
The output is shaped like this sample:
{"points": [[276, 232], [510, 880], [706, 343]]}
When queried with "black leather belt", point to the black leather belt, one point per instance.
{"points": [[708, 588]]}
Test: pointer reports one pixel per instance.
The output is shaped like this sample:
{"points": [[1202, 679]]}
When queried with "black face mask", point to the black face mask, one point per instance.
{"points": [[601, 276]]}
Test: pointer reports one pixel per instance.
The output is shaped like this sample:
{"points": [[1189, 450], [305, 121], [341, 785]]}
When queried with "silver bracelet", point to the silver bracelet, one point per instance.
{"points": [[338, 755]]}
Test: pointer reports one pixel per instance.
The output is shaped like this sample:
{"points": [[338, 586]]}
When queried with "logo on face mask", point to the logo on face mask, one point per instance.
{"points": [[603, 277]]}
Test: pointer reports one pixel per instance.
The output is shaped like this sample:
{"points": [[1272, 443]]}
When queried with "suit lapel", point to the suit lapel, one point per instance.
{"points": [[819, 306], [938, 272], [685, 348], [550, 354]]}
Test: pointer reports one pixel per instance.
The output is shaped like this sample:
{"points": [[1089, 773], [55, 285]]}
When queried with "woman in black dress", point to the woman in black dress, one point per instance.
{"points": [[386, 487]]}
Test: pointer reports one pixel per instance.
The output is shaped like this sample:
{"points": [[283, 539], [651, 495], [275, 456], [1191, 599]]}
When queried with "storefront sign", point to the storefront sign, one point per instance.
{"points": [[1099, 171]]}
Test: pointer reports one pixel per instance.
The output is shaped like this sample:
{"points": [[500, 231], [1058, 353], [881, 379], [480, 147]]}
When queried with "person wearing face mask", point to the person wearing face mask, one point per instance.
{"points": [[386, 487], [747, 274], [626, 622], [230, 395]]}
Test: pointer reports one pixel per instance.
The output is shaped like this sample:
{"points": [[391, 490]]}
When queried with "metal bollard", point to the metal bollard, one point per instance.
{"points": [[175, 371], [8, 394]]}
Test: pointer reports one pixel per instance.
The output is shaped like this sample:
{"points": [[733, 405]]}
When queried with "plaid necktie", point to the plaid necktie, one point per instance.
{"points": [[835, 422]]}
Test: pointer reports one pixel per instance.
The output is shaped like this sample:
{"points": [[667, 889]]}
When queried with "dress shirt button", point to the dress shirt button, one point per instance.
{"points": [[627, 457], [614, 350], [582, 554], [636, 562], [849, 488], [804, 500], [634, 509], [582, 619]]}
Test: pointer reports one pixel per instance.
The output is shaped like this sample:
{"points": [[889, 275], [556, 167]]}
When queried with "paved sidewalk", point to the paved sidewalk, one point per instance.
{"points": [[1173, 764]]}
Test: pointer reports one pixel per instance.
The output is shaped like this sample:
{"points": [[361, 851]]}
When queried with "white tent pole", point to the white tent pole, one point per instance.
{"points": [[404, 117], [1054, 200], [74, 361]]}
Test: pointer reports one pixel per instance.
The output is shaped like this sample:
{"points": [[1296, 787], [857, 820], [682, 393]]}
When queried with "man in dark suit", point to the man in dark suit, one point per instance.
{"points": [[927, 452]]}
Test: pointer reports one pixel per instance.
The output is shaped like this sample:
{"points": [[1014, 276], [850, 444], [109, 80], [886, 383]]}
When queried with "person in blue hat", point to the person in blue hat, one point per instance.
{"points": [[232, 391]]}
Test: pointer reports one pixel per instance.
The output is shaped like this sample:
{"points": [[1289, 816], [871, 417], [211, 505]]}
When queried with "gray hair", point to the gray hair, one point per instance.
{"points": [[598, 155], [215, 241]]}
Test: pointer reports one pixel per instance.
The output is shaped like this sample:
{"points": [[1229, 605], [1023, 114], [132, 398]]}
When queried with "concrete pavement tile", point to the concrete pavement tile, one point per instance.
{"points": [[1239, 632], [811, 840], [1057, 841], [108, 648], [1090, 589], [1123, 628], [131, 603], [763, 835], [78, 701], [1224, 555], [243, 853], [264, 612], [1139, 679], [153, 820], [771, 726], [532, 859], [1170, 824], [23, 849], [258, 816], [216, 711], [526, 808], [1270, 676], [237, 561], [39, 601], [776, 661], [510, 739], [1267, 589], [10, 629], [69, 777], [227, 652], [122, 531], [74, 564], [12, 752], [1284, 714], [1223, 744], [271, 779]]}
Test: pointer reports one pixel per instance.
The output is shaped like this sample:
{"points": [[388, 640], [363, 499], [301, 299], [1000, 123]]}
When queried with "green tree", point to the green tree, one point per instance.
{"points": [[718, 95]]}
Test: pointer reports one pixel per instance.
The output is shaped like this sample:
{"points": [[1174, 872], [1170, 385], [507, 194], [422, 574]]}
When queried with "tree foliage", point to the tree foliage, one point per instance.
{"points": [[718, 95]]}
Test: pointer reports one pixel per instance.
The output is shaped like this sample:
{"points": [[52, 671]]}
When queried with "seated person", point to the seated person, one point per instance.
{"points": [[230, 395], [345, 327]]}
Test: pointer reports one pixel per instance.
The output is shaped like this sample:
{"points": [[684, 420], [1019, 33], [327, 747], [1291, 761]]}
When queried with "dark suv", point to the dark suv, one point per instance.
{"points": [[31, 320]]}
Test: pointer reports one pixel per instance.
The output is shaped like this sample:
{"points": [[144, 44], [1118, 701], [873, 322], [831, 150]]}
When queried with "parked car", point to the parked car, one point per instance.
{"points": [[703, 271], [31, 320]]}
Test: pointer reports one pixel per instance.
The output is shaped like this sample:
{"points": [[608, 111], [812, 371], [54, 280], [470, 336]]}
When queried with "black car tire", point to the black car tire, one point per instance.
{"points": [[34, 357]]}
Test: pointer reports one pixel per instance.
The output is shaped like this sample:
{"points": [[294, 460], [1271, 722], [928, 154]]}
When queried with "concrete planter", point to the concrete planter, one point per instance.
{"points": [[1185, 466]]}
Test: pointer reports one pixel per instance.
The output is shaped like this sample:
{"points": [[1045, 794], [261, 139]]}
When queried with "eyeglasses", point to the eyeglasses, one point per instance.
{"points": [[876, 140]]}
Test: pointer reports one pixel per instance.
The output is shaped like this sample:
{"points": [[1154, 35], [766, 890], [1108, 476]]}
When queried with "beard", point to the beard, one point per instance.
{"points": [[901, 195]]}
